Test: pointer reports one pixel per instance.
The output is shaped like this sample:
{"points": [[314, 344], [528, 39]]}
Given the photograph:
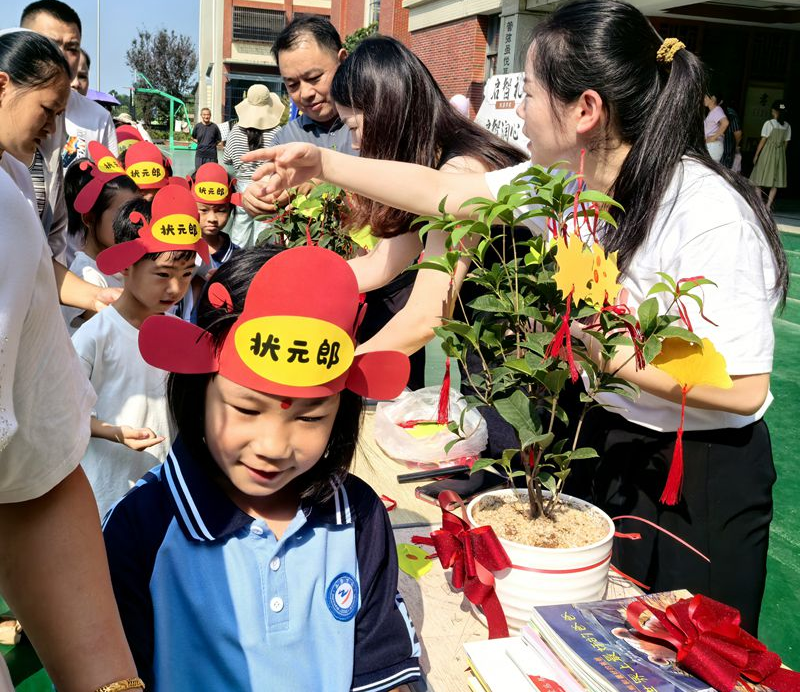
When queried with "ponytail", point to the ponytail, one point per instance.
{"points": [[655, 106]]}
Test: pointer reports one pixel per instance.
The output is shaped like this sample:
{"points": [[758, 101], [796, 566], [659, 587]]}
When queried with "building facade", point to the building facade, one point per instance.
{"points": [[752, 47], [235, 50]]}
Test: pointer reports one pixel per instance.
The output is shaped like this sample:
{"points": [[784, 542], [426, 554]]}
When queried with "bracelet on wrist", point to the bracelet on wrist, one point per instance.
{"points": [[122, 685]]}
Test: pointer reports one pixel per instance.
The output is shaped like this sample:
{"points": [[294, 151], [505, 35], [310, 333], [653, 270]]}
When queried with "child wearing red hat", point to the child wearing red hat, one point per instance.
{"points": [[155, 251], [144, 163], [213, 190], [93, 199], [251, 559]]}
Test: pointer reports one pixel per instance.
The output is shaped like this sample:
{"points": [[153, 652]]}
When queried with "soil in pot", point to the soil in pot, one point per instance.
{"points": [[569, 527]]}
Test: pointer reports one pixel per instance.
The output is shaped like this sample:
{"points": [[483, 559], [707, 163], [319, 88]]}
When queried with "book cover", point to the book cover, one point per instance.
{"points": [[595, 641]]}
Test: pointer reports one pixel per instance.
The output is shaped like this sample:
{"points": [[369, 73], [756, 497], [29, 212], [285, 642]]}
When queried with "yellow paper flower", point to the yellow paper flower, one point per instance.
{"points": [[690, 365], [587, 271]]}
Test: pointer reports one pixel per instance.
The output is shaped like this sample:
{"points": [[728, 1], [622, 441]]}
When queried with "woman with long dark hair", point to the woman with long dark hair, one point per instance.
{"points": [[47, 512], [600, 79], [397, 112]]}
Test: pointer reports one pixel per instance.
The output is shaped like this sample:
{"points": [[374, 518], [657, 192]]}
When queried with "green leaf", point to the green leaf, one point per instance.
{"points": [[647, 313], [482, 463], [519, 365], [660, 287], [488, 303], [437, 263], [679, 333], [583, 453], [651, 348], [548, 481], [517, 410], [598, 197], [669, 280]]}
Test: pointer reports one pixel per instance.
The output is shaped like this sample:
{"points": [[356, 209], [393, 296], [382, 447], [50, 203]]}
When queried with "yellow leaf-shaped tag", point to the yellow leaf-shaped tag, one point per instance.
{"points": [[603, 285], [574, 267], [690, 365], [587, 272]]}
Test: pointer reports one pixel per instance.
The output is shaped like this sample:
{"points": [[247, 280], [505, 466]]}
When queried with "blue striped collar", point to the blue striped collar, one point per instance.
{"points": [[205, 513]]}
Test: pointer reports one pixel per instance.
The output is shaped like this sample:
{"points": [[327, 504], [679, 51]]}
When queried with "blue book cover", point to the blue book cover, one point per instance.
{"points": [[597, 637]]}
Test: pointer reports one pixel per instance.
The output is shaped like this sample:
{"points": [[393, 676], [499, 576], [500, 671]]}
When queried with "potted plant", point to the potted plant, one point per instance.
{"points": [[535, 290], [313, 217]]}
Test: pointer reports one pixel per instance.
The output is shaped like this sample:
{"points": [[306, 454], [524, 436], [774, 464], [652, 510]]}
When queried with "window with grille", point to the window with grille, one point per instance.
{"points": [[374, 12], [253, 24]]}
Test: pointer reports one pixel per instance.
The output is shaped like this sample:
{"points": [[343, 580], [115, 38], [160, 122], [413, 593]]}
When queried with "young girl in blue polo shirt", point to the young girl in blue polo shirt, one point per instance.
{"points": [[251, 559]]}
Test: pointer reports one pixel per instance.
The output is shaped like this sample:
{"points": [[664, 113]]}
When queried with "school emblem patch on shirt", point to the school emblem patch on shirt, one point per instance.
{"points": [[342, 597]]}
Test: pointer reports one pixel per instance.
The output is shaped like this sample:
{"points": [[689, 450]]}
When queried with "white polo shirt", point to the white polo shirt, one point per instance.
{"points": [[703, 228]]}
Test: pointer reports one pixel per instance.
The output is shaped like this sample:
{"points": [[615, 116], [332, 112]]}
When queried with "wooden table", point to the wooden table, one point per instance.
{"points": [[443, 618]]}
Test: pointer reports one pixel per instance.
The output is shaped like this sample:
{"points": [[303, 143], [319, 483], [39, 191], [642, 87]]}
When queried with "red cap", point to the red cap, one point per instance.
{"points": [[211, 184], [294, 338], [105, 169], [127, 135], [174, 226], [144, 164]]}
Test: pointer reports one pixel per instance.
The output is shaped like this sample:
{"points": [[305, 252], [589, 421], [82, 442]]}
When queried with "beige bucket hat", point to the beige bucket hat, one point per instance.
{"points": [[260, 109]]}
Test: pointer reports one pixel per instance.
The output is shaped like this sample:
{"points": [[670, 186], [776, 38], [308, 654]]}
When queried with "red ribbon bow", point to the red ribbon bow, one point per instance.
{"points": [[474, 554], [712, 645]]}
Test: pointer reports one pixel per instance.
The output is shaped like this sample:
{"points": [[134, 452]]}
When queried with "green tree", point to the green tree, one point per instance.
{"points": [[350, 42], [169, 61]]}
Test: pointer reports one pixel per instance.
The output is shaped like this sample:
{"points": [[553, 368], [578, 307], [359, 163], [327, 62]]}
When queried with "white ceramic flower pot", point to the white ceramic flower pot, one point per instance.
{"points": [[544, 576]]}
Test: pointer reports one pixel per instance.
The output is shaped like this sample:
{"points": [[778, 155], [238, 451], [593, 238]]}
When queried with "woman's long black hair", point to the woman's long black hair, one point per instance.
{"points": [[75, 179], [407, 118], [30, 59], [655, 107], [186, 394]]}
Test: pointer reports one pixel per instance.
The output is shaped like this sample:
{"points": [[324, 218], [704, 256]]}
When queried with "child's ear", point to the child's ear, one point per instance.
{"points": [[88, 219]]}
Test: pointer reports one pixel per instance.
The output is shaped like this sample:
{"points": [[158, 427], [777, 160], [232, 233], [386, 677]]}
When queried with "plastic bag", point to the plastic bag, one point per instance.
{"points": [[424, 443]]}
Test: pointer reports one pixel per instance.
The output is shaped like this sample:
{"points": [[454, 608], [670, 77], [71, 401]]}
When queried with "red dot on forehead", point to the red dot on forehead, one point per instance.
{"points": [[286, 403]]}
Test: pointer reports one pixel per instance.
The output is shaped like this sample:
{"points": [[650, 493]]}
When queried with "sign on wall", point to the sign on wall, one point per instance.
{"points": [[498, 112]]}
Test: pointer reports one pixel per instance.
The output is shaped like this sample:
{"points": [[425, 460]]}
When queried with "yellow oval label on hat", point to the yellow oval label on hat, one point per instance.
{"points": [[108, 164], [176, 229], [146, 172], [126, 144], [294, 350], [211, 192]]}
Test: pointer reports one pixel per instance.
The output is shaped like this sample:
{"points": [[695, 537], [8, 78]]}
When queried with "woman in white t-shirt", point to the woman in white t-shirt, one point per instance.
{"points": [[54, 564], [769, 168], [600, 79]]}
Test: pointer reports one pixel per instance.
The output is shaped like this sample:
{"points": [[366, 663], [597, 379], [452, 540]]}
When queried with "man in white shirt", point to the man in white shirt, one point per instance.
{"points": [[86, 120], [83, 121]]}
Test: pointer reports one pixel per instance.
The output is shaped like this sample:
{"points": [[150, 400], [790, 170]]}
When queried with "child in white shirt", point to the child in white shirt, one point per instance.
{"points": [[131, 416]]}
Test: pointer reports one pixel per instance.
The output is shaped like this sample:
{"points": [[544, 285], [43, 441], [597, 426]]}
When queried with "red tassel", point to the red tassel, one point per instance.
{"points": [[309, 240], [444, 396], [562, 339], [672, 490]]}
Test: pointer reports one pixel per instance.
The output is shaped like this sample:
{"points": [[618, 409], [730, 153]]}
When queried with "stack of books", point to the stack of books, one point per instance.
{"points": [[584, 646]]}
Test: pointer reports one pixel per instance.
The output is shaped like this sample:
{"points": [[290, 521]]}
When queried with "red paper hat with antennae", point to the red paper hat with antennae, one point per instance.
{"points": [[144, 164], [211, 185], [294, 338], [127, 136], [174, 227], [111, 169]]}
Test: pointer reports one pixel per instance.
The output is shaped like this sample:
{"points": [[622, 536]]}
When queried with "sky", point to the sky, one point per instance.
{"points": [[119, 24]]}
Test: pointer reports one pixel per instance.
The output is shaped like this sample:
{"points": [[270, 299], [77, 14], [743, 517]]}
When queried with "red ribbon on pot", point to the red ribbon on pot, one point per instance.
{"points": [[474, 554], [712, 645]]}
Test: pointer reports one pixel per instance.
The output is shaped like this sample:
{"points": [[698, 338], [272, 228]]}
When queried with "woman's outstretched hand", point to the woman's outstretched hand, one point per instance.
{"points": [[283, 167]]}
